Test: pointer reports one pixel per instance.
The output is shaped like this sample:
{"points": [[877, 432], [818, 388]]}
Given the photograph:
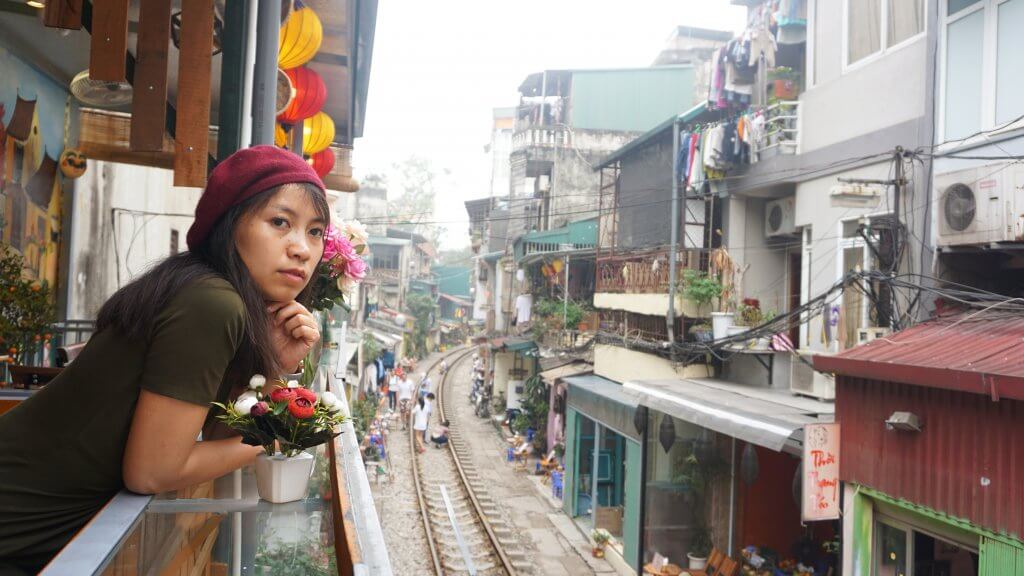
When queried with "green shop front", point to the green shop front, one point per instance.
{"points": [[603, 461]]}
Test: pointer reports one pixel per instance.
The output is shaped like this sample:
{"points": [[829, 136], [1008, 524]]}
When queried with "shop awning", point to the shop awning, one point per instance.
{"points": [[456, 300], [572, 369], [604, 401], [385, 339], [513, 344], [762, 416]]}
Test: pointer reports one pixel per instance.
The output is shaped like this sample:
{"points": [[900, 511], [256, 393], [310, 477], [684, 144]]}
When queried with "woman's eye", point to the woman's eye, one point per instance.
{"points": [[278, 222], [317, 232]]}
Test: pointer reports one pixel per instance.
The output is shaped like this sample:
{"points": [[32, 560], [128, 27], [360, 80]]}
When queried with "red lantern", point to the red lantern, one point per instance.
{"points": [[310, 95], [322, 162]]}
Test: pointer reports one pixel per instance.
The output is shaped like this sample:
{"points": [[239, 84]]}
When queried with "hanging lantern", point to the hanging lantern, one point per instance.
{"points": [[72, 163], [300, 38], [280, 136], [749, 467], [322, 162], [317, 133], [640, 419], [667, 432], [310, 95]]}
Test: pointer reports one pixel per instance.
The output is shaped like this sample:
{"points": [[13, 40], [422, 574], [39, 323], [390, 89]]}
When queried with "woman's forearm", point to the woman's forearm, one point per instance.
{"points": [[212, 459]]}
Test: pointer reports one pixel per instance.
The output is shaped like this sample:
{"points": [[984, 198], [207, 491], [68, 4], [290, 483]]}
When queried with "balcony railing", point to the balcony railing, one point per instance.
{"points": [[645, 273], [386, 274], [542, 136], [781, 130], [631, 326]]}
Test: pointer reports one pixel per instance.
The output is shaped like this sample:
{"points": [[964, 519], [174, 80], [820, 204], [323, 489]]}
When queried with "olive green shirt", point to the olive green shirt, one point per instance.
{"points": [[61, 450]]}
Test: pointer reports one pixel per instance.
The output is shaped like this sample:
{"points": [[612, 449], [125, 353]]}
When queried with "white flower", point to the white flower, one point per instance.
{"points": [[357, 232], [293, 383], [245, 402], [347, 284], [328, 399], [257, 382]]}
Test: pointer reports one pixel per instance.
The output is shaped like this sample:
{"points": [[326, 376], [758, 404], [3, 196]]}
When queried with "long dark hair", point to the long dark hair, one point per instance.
{"points": [[133, 309]]}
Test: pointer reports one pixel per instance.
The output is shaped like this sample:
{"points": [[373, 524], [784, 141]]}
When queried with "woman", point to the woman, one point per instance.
{"points": [[420, 420], [193, 330], [441, 438]]}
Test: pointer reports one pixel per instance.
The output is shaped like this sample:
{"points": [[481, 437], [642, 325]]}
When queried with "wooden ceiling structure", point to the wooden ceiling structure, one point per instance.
{"points": [[178, 97]]}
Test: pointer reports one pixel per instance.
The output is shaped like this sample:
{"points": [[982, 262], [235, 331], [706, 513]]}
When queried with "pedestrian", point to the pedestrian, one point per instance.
{"points": [[425, 384], [405, 394], [420, 421], [444, 367], [191, 330], [393, 391], [430, 409], [441, 437]]}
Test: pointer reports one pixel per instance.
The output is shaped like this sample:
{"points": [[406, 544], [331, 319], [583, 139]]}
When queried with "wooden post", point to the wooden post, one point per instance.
{"points": [[149, 100], [109, 40], [191, 143], [65, 14]]}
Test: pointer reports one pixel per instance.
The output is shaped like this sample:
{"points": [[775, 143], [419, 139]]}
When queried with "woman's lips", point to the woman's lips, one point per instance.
{"points": [[293, 276]]}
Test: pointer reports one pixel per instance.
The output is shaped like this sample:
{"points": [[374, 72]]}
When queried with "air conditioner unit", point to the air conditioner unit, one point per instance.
{"points": [[866, 334], [780, 217], [806, 381], [980, 205]]}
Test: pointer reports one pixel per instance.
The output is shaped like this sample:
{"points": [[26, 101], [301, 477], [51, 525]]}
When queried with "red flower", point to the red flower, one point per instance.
{"points": [[284, 395], [305, 393], [752, 303], [259, 409], [301, 408]]}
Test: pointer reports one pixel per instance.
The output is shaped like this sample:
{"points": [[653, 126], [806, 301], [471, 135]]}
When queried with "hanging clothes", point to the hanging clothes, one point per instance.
{"points": [[762, 43], [682, 157]]}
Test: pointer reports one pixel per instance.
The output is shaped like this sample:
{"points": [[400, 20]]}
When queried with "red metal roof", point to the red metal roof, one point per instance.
{"points": [[983, 354]]}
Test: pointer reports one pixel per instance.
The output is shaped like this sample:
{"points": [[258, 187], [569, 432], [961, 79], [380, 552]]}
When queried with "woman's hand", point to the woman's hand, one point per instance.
{"points": [[293, 332]]}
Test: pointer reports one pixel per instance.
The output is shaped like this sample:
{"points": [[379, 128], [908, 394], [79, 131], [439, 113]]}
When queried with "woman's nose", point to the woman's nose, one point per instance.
{"points": [[299, 247]]}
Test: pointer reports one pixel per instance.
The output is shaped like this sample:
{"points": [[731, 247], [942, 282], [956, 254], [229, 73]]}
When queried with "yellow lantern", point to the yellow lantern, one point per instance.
{"points": [[317, 133], [300, 38], [280, 136]]}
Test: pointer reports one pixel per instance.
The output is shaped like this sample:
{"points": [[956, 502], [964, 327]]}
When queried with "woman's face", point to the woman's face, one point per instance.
{"points": [[281, 243]]}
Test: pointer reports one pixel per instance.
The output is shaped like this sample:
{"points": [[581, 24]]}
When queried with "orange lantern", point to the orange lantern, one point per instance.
{"points": [[322, 162], [300, 38], [317, 133], [310, 95], [280, 136]]}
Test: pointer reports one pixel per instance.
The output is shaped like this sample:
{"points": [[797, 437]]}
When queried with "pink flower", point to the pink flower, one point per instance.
{"points": [[336, 243], [356, 268], [259, 409]]}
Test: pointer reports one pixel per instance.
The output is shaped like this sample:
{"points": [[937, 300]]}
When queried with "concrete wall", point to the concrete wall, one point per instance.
{"points": [[765, 260], [620, 364], [122, 218], [371, 205], [650, 304], [872, 94], [575, 185]]}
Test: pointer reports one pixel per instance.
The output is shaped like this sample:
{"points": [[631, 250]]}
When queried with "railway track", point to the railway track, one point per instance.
{"points": [[465, 531]]}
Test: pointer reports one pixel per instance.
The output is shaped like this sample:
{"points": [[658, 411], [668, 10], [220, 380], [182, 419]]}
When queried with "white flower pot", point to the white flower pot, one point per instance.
{"points": [[720, 322], [734, 330], [695, 562], [280, 479]]}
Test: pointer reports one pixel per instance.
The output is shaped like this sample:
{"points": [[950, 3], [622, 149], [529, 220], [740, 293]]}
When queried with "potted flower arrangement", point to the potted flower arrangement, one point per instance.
{"points": [[785, 82], [601, 537], [285, 421], [27, 315]]}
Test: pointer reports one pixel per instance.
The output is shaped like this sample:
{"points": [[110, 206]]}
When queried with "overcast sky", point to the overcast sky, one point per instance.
{"points": [[440, 67]]}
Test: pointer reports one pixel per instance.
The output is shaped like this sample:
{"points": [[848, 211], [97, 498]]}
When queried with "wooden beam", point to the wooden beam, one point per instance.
{"points": [[109, 40], [149, 102], [65, 14], [191, 143]]}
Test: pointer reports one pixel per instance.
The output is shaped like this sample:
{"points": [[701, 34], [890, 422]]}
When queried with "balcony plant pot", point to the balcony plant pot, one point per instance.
{"points": [[703, 335], [786, 88], [720, 322], [696, 562], [282, 479]]}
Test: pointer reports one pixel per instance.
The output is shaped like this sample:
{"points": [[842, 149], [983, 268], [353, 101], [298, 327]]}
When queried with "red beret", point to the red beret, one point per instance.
{"points": [[243, 175]]}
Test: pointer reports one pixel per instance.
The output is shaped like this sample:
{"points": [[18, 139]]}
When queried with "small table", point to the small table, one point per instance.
{"points": [[668, 570]]}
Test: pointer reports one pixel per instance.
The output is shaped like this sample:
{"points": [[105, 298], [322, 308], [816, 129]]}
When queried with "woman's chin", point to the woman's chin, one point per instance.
{"points": [[280, 294]]}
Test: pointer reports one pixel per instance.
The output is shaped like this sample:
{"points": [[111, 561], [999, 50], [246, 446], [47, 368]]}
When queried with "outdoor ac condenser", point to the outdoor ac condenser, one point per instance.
{"points": [[780, 217], [980, 205], [806, 381]]}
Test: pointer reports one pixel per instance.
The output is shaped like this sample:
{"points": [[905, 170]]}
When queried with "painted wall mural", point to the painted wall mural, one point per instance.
{"points": [[32, 125]]}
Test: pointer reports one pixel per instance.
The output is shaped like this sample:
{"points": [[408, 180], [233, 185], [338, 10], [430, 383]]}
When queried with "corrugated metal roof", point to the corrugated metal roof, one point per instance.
{"points": [[647, 138], [552, 375], [633, 99], [983, 354]]}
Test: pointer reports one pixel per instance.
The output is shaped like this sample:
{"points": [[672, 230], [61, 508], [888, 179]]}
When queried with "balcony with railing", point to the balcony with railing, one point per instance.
{"points": [[542, 137], [645, 272]]}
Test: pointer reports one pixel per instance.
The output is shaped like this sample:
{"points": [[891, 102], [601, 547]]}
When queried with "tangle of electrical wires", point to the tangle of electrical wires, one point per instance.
{"points": [[988, 304]]}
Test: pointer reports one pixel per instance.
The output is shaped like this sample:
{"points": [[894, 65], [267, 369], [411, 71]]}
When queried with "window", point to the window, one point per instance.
{"points": [[983, 73], [874, 25]]}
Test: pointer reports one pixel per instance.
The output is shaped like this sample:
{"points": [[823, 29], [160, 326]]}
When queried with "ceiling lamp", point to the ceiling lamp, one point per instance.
{"points": [[300, 38], [317, 133], [310, 95], [322, 162]]}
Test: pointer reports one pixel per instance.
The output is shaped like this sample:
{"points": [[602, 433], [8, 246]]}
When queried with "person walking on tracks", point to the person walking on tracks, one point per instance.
{"points": [[405, 393], [420, 420]]}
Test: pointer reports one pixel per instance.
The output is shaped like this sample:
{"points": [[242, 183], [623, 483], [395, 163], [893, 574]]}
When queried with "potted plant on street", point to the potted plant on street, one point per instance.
{"points": [[285, 421], [698, 469], [27, 314], [702, 332], [601, 537], [700, 548]]}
